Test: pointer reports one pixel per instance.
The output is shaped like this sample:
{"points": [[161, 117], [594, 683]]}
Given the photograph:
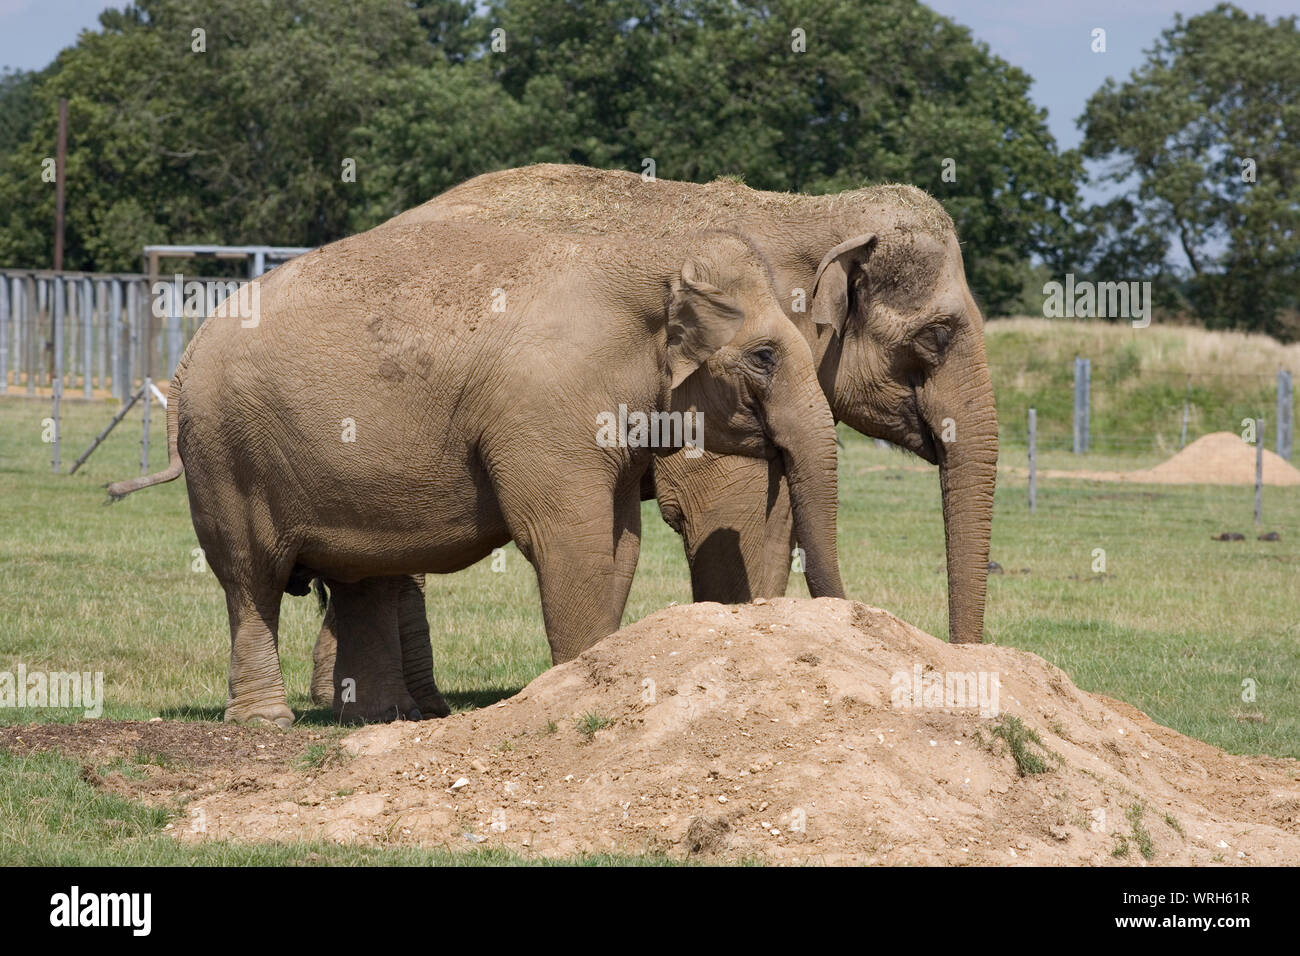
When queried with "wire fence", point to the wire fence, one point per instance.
{"points": [[1230, 457], [1154, 414], [97, 334]]}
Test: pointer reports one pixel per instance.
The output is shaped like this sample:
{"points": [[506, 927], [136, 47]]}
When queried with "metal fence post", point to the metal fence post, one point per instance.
{"points": [[1259, 468], [174, 315], [1284, 419], [5, 312], [114, 309], [1033, 461], [132, 320], [1082, 383], [35, 306], [101, 336], [87, 297], [58, 318], [144, 435], [16, 341]]}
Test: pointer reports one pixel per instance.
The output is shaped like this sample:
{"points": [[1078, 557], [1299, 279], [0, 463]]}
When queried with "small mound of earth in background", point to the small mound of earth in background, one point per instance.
{"points": [[1220, 458], [792, 731]]}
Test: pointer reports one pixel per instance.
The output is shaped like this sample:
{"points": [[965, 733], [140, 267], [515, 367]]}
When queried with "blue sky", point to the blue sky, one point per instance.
{"points": [[1049, 39]]}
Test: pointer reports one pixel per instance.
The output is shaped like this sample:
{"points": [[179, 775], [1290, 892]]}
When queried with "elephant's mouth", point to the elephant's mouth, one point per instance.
{"points": [[923, 442]]}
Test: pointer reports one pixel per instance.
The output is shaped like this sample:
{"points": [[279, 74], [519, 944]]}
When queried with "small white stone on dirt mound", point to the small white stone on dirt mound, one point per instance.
{"points": [[462, 782], [341, 831], [366, 805], [376, 739]]}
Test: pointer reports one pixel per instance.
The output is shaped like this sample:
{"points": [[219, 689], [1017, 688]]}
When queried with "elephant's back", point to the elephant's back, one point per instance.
{"points": [[548, 199]]}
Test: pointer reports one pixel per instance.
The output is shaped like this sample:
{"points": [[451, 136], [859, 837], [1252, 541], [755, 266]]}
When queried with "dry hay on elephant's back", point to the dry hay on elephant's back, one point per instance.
{"points": [[1220, 458], [586, 200], [773, 732]]}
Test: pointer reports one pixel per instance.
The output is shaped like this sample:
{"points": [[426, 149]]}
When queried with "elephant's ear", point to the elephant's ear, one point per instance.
{"points": [[831, 287], [701, 319]]}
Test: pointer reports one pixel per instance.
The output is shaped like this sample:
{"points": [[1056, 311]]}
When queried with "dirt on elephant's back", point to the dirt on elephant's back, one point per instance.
{"points": [[792, 731]]}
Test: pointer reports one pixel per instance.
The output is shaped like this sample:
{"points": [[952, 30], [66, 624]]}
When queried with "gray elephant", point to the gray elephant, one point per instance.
{"points": [[874, 280], [412, 397]]}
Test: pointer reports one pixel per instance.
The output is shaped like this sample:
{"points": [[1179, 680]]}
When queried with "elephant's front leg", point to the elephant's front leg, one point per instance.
{"points": [[627, 548], [573, 554], [417, 649], [368, 681], [734, 517]]}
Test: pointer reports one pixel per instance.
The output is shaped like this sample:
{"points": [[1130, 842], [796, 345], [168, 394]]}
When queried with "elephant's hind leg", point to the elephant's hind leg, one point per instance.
{"points": [[256, 689], [417, 649], [322, 659], [368, 682]]}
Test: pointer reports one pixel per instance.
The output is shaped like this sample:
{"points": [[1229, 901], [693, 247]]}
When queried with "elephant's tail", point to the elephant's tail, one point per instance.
{"points": [[322, 596], [175, 467]]}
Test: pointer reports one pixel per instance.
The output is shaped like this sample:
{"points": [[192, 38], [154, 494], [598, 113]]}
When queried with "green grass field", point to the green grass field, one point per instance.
{"points": [[1175, 626]]}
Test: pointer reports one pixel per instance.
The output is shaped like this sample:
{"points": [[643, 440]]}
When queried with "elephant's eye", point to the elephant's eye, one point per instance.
{"points": [[932, 341], [763, 358]]}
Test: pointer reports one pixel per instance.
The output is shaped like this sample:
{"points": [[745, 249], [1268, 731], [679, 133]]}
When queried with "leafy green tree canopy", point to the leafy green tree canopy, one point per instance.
{"points": [[1203, 138], [246, 139]]}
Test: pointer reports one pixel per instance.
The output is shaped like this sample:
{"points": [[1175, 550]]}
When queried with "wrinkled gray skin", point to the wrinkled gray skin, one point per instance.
{"points": [[896, 335], [382, 419]]}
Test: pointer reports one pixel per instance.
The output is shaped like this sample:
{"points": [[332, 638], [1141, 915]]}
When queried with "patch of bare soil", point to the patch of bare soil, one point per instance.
{"points": [[164, 761], [1221, 458], [780, 731]]}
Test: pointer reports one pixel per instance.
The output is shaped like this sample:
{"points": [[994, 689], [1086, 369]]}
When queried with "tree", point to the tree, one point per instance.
{"points": [[236, 135], [812, 97], [1202, 136], [438, 125], [246, 140]]}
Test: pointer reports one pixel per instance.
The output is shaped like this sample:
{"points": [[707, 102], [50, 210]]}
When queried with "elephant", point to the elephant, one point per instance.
{"points": [[412, 397], [874, 280]]}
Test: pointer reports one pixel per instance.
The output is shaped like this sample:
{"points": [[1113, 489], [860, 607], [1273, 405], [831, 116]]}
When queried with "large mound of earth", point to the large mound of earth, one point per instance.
{"points": [[787, 731], [1220, 458]]}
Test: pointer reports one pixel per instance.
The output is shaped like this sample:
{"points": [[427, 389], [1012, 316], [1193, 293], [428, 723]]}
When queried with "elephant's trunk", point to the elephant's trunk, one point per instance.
{"points": [[805, 432], [958, 406]]}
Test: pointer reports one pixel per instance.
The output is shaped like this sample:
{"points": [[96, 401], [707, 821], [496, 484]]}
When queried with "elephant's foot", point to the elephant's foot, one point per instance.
{"points": [[378, 712], [322, 691], [381, 709], [270, 715], [432, 704]]}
